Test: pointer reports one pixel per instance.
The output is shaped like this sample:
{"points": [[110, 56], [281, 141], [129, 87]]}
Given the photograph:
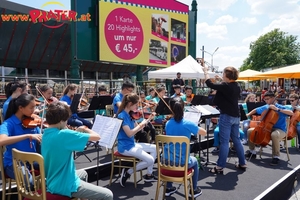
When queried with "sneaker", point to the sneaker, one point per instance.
{"points": [[216, 150], [197, 192], [170, 191], [151, 178], [274, 161], [124, 177], [250, 155]]}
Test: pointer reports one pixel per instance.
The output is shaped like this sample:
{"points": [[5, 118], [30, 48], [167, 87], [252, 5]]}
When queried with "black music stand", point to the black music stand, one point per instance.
{"points": [[99, 102], [162, 109], [253, 105], [213, 112], [74, 108]]}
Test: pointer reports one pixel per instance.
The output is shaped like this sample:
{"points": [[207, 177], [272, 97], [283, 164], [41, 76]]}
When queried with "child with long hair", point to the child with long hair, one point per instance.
{"points": [[58, 156], [178, 126], [74, 120], [126, 143], [14, 135]]}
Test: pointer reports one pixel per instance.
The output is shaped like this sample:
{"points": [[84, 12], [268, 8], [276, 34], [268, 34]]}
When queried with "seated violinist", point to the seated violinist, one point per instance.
{"points": [[141, 136], [74, 120], [278, 130], [188, 96], [14, 134], [102, 92], [177, 89], [47, 93]]}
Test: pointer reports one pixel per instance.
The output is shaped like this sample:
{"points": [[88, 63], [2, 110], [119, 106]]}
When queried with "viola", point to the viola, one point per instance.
{"points": [[139, 114], [33, 121], [261, 135], [292, 131], [83, 102]]}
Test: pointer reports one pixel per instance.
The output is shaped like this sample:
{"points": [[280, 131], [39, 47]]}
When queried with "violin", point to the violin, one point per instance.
{"points": [[139, 114], [33, 121], [83, 102]]}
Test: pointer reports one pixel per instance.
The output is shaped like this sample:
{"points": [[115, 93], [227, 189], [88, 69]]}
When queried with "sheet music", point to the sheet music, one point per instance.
{"points": [[108, 129], [203, 110], [192, 116]]}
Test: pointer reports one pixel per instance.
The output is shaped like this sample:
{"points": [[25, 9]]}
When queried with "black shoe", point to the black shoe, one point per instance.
{"points": [[124, 177], [151, 178], [274, 161], [170, 191], [250, 155], [197, 192], [215, 151]]}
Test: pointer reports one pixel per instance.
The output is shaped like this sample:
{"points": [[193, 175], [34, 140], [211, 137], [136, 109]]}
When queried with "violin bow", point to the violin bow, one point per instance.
{"points": [[44, 106], [163, 101], [140, 100]]}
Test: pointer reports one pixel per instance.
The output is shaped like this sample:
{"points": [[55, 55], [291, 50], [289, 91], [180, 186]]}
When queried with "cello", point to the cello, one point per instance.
{"points": [[261, 135], [292, 131]]}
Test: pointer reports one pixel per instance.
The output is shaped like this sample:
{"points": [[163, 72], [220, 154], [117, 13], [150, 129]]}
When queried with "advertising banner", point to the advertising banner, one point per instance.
{"points": [[141, 35]]}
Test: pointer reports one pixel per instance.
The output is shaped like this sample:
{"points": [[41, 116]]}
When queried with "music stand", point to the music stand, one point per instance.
{"points": [[75, 103], [74, 108], [99, 102], [197, 100], [162, 109], [254, 105], [242, 113]]}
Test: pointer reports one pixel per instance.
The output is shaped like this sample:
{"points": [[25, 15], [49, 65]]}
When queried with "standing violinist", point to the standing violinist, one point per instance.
{"points": [[278, 130], [14, 135], [294, 99]]}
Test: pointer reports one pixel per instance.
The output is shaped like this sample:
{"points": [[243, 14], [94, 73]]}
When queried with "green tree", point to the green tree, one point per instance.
{"points": [[275, 48]]}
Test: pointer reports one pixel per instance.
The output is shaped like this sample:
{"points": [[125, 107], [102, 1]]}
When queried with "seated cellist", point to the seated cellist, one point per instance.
{"points": [[279, 128], [294, 100]]}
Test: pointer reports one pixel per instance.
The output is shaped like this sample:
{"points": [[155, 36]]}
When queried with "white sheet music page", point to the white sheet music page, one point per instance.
{"points": [[108, 129], [203, 110], [192, 116]]}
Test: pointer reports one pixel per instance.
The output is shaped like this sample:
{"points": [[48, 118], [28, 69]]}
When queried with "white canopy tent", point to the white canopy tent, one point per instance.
{"points": [[188, 67]]}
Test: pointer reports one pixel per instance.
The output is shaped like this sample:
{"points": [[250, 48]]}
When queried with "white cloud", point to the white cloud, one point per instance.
{"points": [[226, 19], [273, 8], [249, 20], [250, 39], [214, 31], [290, 25]]}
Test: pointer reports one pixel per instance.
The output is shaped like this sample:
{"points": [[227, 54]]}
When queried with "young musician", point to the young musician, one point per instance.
{"points": [[177, 81], [47, 93], [14, 135], [61, 175], [127, 87], [126, 143], [151, 94], [227, 95], [177, 89], [188, 96], [178, 126], [13, 90], [278, 130], [74, 120], [294, 100]]}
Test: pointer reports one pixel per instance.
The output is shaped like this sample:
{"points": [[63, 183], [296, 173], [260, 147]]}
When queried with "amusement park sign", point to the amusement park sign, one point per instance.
{"points": [[41, 16]]}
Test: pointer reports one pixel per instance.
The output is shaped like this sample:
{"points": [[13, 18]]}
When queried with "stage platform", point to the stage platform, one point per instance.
{"points": [[234, 184]]}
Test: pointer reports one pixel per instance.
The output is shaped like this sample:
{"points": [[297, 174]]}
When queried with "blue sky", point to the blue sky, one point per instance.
{"points": [[231, 25]]}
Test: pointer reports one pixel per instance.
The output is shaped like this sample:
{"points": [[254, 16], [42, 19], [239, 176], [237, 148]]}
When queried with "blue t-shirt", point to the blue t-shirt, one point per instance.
{"points": [[66, 99], [57, 150], [182, 128], [117, 98], [13, 127], [5, 106], [125, 142], [289, 107], [281, 123]]}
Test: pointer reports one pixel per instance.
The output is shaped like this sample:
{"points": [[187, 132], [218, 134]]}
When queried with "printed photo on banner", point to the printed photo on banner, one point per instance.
{"points": [[177, 53], [160, 26], [158, 52], [178, 31]]}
